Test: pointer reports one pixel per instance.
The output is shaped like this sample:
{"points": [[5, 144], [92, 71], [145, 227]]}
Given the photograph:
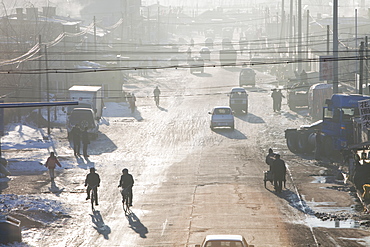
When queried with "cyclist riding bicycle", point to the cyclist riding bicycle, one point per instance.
{"points": [[92, 182], [126, 182]]}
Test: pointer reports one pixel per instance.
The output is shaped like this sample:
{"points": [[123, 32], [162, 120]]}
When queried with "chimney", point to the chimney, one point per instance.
{"points": [[31, 13], [49, 11], [19, 13]]}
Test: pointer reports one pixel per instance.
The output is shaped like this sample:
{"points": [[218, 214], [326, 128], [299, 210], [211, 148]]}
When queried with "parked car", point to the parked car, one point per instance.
{"points": [[205, 53], [221, 116], [238, 100], [247, 76], [224, 241], [196, 64], [84, 117], [227, 44]]}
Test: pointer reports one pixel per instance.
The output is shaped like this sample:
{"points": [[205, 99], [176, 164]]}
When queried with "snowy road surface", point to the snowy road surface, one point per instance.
{"points": [[190, 181]]}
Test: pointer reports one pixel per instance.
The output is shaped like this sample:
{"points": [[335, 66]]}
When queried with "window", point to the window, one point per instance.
{"points": [[222, 111], [224, 243], [328, 113]]}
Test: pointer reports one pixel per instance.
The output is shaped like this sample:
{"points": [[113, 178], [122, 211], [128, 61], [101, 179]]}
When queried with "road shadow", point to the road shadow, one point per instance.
{"points": [[4, 183], [231, 134], [250, 118], [293, 199], [101, 145], [231, 68], [162, 108], [100, 227], [84, 163], [55, 189], [136, 225], [137, 115], [202, 74]]}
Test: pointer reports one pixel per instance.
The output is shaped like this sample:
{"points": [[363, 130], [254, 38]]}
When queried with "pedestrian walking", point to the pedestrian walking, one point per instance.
{"points": [[85, 142], [51, 164], [279, 99], [278, 171], [270, 158], [132, 102], [274, 97], [76, 138], [156, 93]]}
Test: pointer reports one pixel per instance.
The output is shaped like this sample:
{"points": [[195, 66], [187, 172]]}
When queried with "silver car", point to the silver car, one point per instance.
{"points": [[224, 241], [221, 116]]}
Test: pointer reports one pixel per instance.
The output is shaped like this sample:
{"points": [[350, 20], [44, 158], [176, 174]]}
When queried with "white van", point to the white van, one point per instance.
{"points": [[238, 100]]}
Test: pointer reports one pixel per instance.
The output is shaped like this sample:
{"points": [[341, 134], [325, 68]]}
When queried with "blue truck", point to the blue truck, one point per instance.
{"points": [[337, 131]]}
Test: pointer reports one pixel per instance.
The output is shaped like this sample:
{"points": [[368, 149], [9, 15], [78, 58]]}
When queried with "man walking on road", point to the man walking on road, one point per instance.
{"points": [[156, 93], [85, 142], [76, 138], [278, 170], [270, 158], [51, 163], [126, 182], [277, 97]]}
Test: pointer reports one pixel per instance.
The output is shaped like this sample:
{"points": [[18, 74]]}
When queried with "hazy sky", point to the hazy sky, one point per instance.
{"points": [[73, 7]]}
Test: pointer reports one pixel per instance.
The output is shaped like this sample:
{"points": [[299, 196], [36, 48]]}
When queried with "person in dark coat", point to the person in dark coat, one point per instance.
{"points": [[92, 181], [280, 97], [85, 142], [270, 158], [279, 171], [126, 182], [76, 138], [274, 96]]}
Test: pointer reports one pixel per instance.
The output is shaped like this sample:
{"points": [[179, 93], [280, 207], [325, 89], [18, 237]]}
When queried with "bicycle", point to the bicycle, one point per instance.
{"points": [[125, 200], [93, 196]]}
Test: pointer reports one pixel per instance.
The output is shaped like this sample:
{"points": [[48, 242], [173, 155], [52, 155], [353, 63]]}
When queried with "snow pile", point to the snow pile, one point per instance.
{"points": [[21, 203], [24, 137]]}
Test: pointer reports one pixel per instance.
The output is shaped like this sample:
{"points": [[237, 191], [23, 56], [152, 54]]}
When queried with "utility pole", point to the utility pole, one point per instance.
{"points": [[95, 37], [47, 87], [308, 65], [366, 66], [361, 79], [291, 34], [40, 83], [335, 46], [327, 39], [282, 31], [299, 36]]}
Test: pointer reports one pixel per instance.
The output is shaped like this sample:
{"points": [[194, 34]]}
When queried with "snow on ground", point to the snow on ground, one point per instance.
{"points": [[19, 136], [27, 137]]}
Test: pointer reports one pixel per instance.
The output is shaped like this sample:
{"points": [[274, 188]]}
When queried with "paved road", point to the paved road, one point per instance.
{"points": [[190, 181]]}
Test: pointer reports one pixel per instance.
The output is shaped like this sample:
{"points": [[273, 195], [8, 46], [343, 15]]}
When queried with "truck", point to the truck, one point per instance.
{"points": [[309, 96], [298, 88], [316, 97], [331, 135], [87, 97]]}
